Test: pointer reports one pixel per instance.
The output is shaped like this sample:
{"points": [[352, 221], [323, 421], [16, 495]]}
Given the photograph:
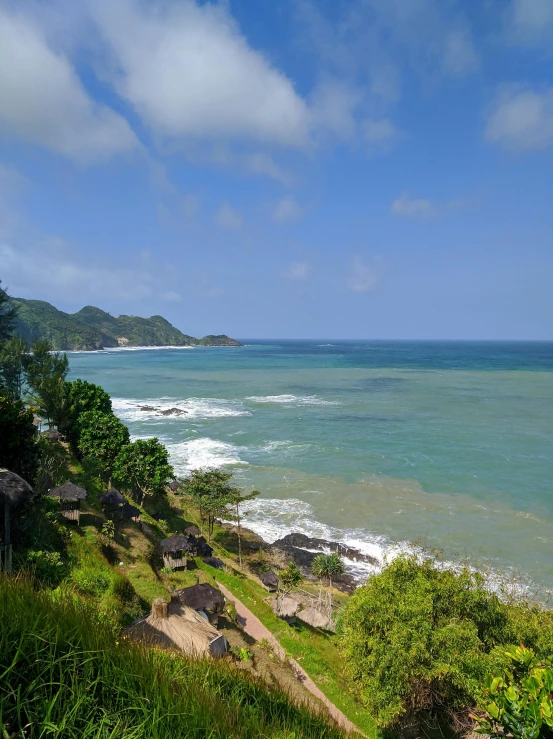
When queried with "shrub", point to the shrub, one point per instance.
{"points": [[47, 567], [101, 435], [419, 640], [19, 450], [89, 581]]}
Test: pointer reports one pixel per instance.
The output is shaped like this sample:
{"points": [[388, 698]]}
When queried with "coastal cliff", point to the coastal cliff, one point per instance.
{"points": [[92, 328]]}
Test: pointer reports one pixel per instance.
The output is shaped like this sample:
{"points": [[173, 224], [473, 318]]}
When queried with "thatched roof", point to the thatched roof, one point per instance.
{"points": [[174, 485], [269, 579], [201, 546], [202, 597], [192, 531], [112, 497], [214, 562], [175, 625], [176, 543], [129, 511], [314, 618], [14, 489], [285, 606], [68, 492]]}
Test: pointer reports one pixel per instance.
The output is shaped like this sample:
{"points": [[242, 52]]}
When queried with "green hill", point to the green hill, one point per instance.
{"points": [[92, 328]]}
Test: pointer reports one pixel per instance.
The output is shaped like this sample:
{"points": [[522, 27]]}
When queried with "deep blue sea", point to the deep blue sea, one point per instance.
{"points": [[380, 444]]}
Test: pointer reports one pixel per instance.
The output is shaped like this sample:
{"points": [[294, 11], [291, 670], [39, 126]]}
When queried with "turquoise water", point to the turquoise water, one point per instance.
{"points": [[380, 444]]}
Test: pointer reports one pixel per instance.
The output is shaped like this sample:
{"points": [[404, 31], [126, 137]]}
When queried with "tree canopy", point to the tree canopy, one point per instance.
{"points": [[144, 464], [7, 315], [19, 450], [101, 436]]}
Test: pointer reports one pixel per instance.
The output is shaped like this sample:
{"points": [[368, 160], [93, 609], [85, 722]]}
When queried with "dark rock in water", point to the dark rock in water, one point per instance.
{"points": [[322, 545], [148, 408], [174, 412]]}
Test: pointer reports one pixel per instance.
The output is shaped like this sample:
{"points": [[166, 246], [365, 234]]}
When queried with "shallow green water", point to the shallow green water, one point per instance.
{"points": [[375, 443]]}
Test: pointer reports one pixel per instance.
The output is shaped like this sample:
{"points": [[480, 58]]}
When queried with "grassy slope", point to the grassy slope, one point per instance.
{"points": [[66, 672]]}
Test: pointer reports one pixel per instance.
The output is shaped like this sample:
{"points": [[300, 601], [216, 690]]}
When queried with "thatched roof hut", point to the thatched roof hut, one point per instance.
{"points": [[112, 498], [175, 550], [174, 485], [214, 562], [269, 580], [68, 492], [200, 546], [203, 597], [285, 607], [314, 618], [192, 531], [70, 496], [130, 512], [14, 489], [174, 625]]}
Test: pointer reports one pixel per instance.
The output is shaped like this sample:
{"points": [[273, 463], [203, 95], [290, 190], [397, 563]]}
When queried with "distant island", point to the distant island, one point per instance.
{"points": [[92, 328]]}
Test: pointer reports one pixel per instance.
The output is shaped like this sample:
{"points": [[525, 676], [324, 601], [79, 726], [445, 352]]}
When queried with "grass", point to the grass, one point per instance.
{"points": [[317, 651], [66, 673]]}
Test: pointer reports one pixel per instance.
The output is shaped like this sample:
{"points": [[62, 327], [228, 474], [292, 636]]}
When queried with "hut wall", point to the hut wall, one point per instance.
{"points": [[72, 514], [168, 561]]}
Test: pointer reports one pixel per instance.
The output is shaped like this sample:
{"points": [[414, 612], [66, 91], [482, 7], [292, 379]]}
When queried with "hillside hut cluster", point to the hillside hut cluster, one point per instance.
{"points": [[188, 622], [178, 549]]}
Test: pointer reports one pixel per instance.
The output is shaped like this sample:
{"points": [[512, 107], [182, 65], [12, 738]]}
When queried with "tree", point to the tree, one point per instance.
{"points": [[19, 449], [46, 372], [289, 578], [328, 566], [13, 357], [144, 464], [101, 436], [82, 396], [8, 314], [518, 703], [213, 493], [418, 639]]}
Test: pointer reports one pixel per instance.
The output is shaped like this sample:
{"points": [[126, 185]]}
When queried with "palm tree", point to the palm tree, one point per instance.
{"points": [[328, 566]]}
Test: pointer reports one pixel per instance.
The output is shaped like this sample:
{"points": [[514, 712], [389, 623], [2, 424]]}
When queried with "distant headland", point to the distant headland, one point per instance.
{"points": [[91, 329]]}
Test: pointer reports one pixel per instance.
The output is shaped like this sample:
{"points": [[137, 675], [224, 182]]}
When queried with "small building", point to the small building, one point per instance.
{"points": [[174, 625], [174, 486], [70, 496], [112, 502], [14, 492], [214, 562], [314, 617], [286, 608], [203, 598], [192, 531], [176, 550], [200, 546], [130, 512], [53, 434], [270, 580]]}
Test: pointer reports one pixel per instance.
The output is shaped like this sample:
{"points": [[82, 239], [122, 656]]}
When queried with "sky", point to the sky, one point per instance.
{"points": [[282, 168]]}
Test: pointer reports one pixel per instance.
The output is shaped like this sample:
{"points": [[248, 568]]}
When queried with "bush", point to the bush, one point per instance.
{"points": [[89, 581], [47, 567], [419, 640]]}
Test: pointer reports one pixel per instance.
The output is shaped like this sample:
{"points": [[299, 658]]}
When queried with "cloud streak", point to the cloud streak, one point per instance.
{"points": [[521, 119]]}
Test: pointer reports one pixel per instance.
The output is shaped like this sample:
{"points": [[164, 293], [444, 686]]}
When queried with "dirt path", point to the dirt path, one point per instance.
{"points": [[253, 626]]}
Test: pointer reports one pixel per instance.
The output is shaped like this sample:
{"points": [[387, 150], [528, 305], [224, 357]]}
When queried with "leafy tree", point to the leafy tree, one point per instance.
{"points": [[213, 493], [19, 449], [46, 373], [519, 703], [7, 315], [82, 396], [101, 436], [329, 566], [13, 358], [144, 464], [419, 639], [289, 578]]}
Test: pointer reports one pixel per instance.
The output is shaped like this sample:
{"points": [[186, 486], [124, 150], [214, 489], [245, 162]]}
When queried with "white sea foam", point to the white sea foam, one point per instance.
{"points": [[129, 409], [202, 453], [290, 401], [143, 348]]}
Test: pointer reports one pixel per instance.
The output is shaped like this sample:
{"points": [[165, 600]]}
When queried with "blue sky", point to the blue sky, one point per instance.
{"points": [[282, 168]]}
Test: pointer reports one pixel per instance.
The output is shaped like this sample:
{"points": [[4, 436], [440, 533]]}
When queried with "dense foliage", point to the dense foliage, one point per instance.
{"points": [[143, 465], [419, 639], [7, 315], [519, 702], [19, 448], [101, 436], [92, 328], [66, 672], [82, 396]]}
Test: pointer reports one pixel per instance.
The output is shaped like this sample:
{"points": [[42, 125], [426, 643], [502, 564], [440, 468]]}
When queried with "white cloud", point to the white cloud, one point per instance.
{"points": [[297, 271], [521, 119], [363, 279], [530, 21], [288, 210], [44, 102], [408, 207], [228, 217], [381, 131], [460, 57], [189, 72], [333, 108], [53, 267]]}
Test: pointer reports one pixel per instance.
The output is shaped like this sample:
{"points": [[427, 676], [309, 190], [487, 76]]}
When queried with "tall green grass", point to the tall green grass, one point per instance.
{"points": [[65, 672]]}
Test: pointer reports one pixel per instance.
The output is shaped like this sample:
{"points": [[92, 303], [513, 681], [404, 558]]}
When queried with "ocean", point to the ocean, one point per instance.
{"points": [[387, 446]]}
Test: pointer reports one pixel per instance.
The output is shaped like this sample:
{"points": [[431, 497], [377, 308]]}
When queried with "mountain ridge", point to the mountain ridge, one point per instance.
{"points": [[92, 328]]}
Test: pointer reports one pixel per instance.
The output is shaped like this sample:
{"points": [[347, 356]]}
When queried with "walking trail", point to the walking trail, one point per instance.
{"points": [[253, 626]]}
